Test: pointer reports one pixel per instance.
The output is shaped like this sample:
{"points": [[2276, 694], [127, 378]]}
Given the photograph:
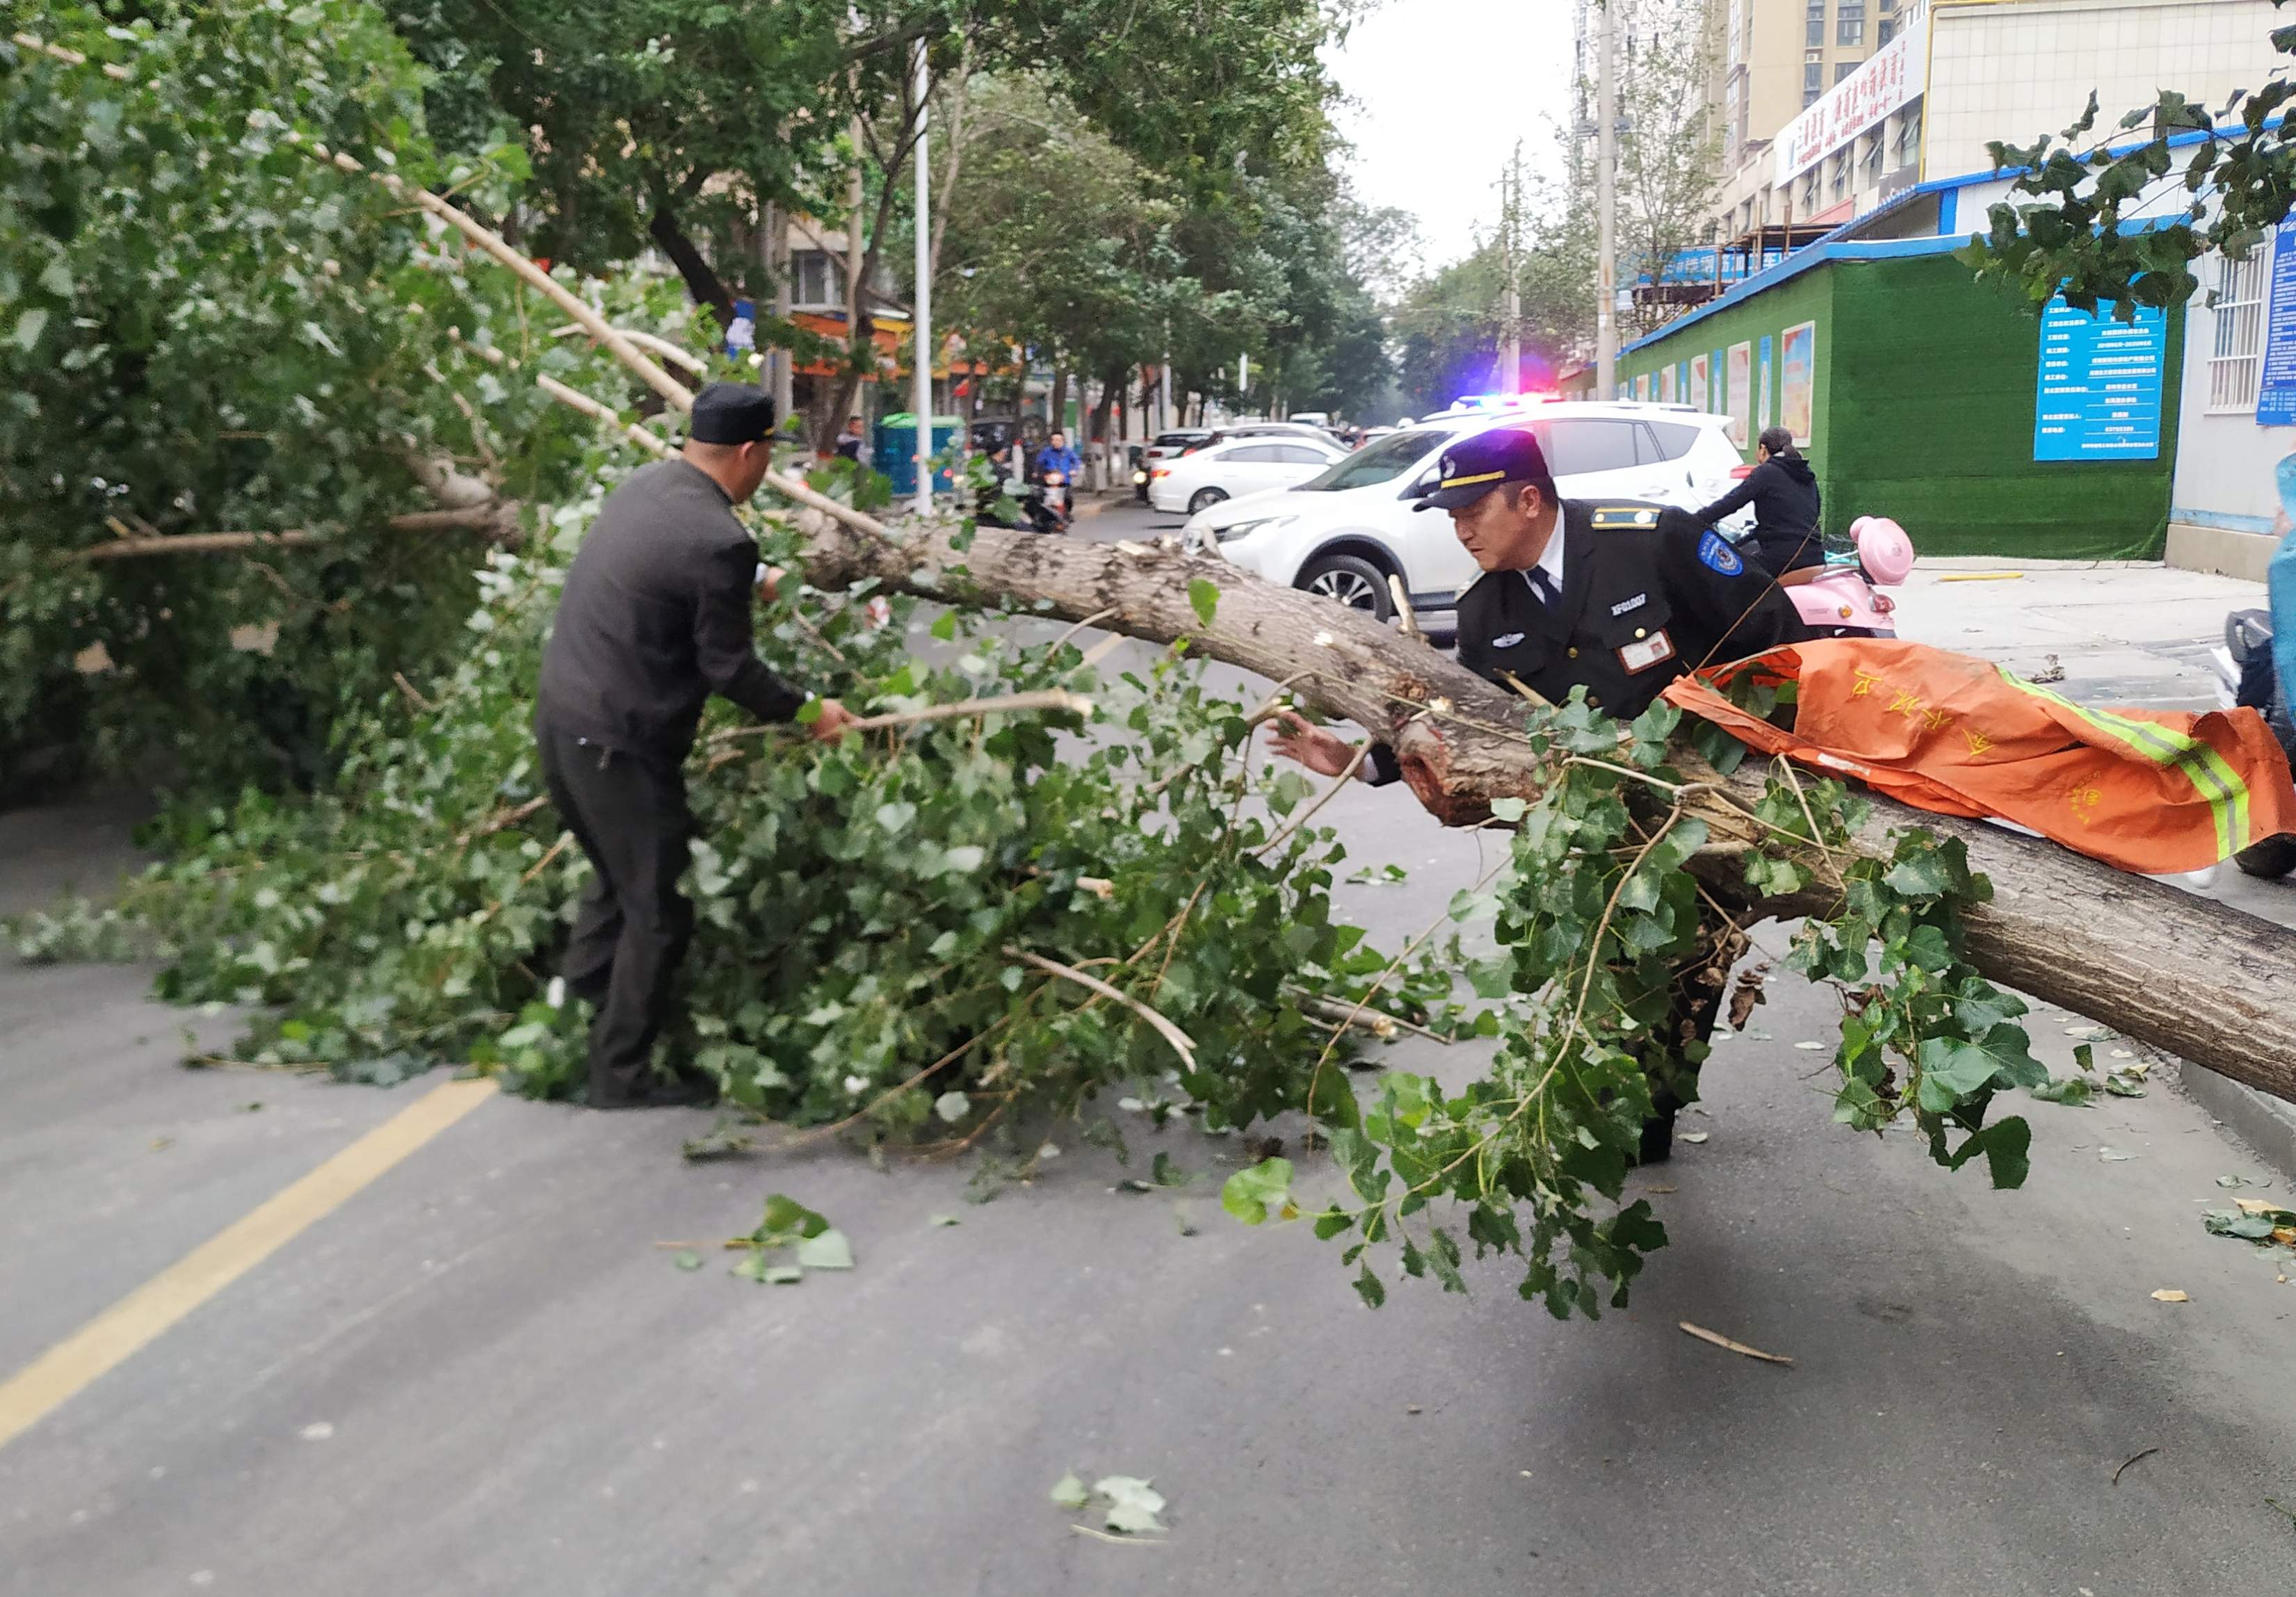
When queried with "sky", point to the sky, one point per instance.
{"points": [[1443, 89]]}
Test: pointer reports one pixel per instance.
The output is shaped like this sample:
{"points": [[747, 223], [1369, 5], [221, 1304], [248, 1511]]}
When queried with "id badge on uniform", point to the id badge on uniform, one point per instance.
{"points": [[1643, 653]]}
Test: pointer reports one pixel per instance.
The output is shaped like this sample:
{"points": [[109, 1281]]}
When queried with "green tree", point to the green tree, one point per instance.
{"points": [[2076, 234]]}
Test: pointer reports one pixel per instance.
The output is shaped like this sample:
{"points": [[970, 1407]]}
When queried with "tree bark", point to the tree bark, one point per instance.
{"points": [[702, 280], [2194, 978]]}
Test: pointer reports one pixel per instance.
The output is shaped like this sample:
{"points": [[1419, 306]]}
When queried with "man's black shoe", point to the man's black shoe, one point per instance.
{"points": [[655, 1092]]}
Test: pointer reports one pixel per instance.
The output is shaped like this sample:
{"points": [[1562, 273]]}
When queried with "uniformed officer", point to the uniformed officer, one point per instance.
{"points": [[1620, 600], [654, 619]]}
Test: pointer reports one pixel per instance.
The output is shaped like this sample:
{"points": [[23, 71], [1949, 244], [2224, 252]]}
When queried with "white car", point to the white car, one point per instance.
{"points": [[1342, 534], [1235, 467]]}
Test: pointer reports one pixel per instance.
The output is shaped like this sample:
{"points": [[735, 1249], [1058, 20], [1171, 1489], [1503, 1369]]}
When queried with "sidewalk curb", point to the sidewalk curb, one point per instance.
{"points": [[2268, 1127]]}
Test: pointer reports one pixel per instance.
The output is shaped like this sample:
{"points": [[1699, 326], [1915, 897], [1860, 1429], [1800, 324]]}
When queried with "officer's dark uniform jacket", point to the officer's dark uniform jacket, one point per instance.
{"points": [[655, 617], [1642, 604]]}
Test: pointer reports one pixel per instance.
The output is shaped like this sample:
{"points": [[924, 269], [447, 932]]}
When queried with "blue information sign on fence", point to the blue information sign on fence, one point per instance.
{"points": [[2098, 396], [2276, 395]]}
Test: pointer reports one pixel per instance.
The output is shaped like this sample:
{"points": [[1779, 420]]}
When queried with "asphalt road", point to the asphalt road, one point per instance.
{"points": [[479, 1375]]}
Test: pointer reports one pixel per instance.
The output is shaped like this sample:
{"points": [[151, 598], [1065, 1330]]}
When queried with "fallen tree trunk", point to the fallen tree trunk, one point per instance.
{"points": [[2207, 983], [2199, 980]]}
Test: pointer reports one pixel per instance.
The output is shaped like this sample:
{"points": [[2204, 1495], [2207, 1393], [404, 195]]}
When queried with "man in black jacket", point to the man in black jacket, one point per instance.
{"points": [[1783, 492], [654, 619], [1618, 598]]}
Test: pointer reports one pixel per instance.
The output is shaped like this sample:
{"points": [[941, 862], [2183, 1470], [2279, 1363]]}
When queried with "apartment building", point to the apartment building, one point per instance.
{"points": [[1776, 60]]}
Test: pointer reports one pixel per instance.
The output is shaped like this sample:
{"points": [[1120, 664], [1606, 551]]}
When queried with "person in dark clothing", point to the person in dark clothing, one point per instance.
{"points": [[850, 444], [1783, 492], [1603, 597], [654, 619]]}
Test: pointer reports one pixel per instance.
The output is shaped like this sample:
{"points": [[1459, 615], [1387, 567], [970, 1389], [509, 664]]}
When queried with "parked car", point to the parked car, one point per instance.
{"points": [[1163, 446], [1232, 468], [1343, 533]]}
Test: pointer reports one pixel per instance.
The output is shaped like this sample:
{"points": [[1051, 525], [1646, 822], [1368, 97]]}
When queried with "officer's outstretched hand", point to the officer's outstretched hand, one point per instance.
{"points": [[1322, 751], [831, 722]]}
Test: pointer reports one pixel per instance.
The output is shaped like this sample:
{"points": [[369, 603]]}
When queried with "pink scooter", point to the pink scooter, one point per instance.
{"points": [[1838, 600]]}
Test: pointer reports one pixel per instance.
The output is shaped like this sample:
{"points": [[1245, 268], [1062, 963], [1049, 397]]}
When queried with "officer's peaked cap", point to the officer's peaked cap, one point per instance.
{"points": [[1473, 466]]}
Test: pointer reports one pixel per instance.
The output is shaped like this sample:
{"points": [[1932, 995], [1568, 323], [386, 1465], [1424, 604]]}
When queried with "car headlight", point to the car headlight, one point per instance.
{"points": [[1244, 529]]}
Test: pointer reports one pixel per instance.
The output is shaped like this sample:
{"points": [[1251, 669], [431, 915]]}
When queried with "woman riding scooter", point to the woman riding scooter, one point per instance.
{"points": [[1783, 492]]}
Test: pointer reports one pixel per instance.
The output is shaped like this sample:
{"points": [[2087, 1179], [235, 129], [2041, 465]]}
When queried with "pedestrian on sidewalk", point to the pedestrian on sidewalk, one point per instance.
{"points": [[1783, 492], [850, 443], [654, 619]]}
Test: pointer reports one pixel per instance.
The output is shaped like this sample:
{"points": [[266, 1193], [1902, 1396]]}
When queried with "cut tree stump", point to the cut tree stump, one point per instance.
{"points": [[2195, 979]]}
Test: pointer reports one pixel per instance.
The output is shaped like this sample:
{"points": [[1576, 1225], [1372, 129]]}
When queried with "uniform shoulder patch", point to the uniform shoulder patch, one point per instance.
{"points": [[1715, 553]]}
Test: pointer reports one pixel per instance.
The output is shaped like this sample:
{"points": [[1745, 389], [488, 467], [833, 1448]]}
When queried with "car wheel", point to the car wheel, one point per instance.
{"points": [[1203, 499], [2270, 859], [1352, 580]]}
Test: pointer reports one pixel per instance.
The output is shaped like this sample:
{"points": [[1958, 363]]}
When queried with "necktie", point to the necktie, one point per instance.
{"points": [[1542, 585]]}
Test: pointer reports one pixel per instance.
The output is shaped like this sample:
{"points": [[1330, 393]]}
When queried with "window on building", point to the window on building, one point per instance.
{"points": [[1885, 29], [1809, 192], [1814, 28], [1850, 22], [1841, 185], [2236, 359], [1813, 81], [1910, 135], [1843, 69], [814, 282], [1874, 156]]}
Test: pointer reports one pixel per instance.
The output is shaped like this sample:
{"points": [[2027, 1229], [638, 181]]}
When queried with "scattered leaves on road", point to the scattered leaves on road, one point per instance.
{"points": [[1128, 1505], [686, 1259], [1694, 1136], [2171, 1295], [2114, 1156]]}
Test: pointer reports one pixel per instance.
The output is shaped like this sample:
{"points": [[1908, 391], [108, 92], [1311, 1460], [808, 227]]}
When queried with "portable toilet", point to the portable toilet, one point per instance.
{"points": [[897, 446]]}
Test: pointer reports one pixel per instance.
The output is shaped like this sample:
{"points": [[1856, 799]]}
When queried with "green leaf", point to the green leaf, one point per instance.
{"points": [[2071, 1091], [1509, 809], [1251, 1193], [1370, 1287], [686, 1259], [1166, 1173], [29, 326], [1203, 597], [944, 1220], [952, 1107], [786, 1221], [1133, 1504], [781, 1275], [826, 1250], [944, 627], [1068, 1492]]}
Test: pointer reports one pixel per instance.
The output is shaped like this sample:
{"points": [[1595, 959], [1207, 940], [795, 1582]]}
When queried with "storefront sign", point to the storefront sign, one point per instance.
{"points": [[2098, 393], [1891, 79], [2276, 397]]}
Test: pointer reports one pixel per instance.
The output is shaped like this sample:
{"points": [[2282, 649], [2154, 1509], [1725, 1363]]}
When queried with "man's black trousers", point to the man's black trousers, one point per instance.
{"points": [[630, 817]]}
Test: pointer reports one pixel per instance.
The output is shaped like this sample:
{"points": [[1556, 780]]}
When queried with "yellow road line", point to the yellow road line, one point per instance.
{"points": [[120, 1331], [1982, 577]]}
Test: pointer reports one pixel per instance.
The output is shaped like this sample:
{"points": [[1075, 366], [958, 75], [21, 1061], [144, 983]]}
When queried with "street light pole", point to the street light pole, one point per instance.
{"points": [[922, 385], [1606, 205]]}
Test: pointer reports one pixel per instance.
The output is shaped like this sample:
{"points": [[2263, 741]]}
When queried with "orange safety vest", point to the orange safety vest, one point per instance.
{"points": [[2153, 792]]}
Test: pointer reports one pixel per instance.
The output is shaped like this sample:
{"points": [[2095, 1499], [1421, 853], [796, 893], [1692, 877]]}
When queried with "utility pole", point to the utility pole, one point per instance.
{"points": [[777, 263], [922, 384], [1511, 328], [1606, 205]]}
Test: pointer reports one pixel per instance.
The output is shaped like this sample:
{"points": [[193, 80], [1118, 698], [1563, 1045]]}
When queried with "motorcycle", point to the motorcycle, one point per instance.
{"points": [[1039, 503], [2247, 678], [1838, 600], [1048, 505]]}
